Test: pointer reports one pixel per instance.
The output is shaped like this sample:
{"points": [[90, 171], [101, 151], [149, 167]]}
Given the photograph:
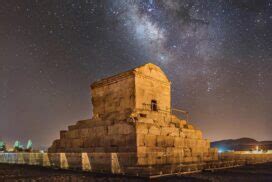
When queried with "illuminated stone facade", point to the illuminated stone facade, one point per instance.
{"points": [[132, 114]]}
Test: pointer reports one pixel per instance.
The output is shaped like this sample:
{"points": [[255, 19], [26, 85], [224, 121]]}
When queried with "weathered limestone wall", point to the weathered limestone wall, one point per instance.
{"points": [[249, 157], [130, 91], [97, 136], [152, 85], [171, 141], [116, 95], [153, 138]]}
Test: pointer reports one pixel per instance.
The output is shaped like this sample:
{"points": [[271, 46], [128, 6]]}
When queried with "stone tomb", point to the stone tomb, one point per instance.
{"points": [[132, 117]]}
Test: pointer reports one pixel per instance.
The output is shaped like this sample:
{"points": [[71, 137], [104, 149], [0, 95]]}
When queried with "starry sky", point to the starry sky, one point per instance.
{"points": [[218, 55]]}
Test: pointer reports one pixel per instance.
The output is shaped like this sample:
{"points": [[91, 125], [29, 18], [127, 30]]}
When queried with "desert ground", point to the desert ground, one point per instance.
{"points": [[258, 172]]}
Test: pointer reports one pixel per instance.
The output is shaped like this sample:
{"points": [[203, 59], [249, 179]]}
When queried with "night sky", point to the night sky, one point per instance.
{"points": [[218, 55]]}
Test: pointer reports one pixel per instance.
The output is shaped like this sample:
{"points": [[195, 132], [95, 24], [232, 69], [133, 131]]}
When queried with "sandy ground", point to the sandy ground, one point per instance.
{"points": [[259, 172]]}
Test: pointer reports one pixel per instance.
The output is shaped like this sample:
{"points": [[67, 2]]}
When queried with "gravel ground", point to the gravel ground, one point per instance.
{"points": [[256, 173], [259, 172]]}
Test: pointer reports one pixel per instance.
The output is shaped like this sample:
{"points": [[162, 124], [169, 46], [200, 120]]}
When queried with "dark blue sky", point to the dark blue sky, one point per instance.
{"points": [[216, 53]]}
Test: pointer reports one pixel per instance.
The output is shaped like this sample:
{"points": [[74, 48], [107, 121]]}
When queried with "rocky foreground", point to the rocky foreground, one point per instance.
{"points": [[259, 172]]}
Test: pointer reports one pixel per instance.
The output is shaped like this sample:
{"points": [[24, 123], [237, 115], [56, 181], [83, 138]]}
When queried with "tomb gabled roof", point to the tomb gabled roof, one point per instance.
{"points": [[148, 70]]}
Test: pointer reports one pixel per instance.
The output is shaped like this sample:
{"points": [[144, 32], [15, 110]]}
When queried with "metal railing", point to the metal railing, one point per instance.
{"points": [[148, 107], [186, 113]]}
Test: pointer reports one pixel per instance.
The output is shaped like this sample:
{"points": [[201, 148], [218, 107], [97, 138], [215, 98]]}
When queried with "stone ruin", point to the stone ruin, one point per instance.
{"points": [[132, 115]]}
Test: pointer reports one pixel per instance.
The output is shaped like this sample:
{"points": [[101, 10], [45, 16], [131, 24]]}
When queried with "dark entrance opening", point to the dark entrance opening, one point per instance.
{"points": [[154, 106]]}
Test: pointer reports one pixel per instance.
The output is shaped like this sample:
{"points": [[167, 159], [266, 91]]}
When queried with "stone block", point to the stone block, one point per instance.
{"points": [[172, 125], [63, 134], [62, 143], [91, 141], [161, 141], [145, 120], [156, 158], [141, 128], [181, 134], [178, 142], [188, 159], [196, 150], [101, 131], [165, 131], [72, 134], [175, 132], [154, 130], [84, 132], [140, 139], [116, 140], [130, 140], [189, 142], [72, 127], [150, 140], [155, 149], [169, 141], [187, 152], [68, 143], [178, 152], [169, 151], [142, 151], [91, 131], [142, 161], [165, 141], [189, 133], [198, 134], [160, 122], [128, 129], [86, 121], [170, 131], [173, 160], [174, 119], [182, 122], [161, 160], [94, 122], [105, 141], [151, 159], [122, 140], [179, 123], [122, 129], [77, 143]]}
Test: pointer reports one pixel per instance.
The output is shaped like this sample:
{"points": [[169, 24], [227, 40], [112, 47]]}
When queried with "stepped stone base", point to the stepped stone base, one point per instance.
{"points": [[149, 137]]}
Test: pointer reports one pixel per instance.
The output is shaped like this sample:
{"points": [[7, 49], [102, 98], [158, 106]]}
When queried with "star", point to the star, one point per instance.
{"points": [[217, 55]]}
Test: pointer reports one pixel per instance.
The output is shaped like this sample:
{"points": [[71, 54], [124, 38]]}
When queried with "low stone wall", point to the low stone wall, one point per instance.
{"points": [[249, 158], [125, 163]]}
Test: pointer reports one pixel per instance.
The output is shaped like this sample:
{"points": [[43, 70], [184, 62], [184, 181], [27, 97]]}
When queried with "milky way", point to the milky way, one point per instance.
{"points": [[218, 55]]}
